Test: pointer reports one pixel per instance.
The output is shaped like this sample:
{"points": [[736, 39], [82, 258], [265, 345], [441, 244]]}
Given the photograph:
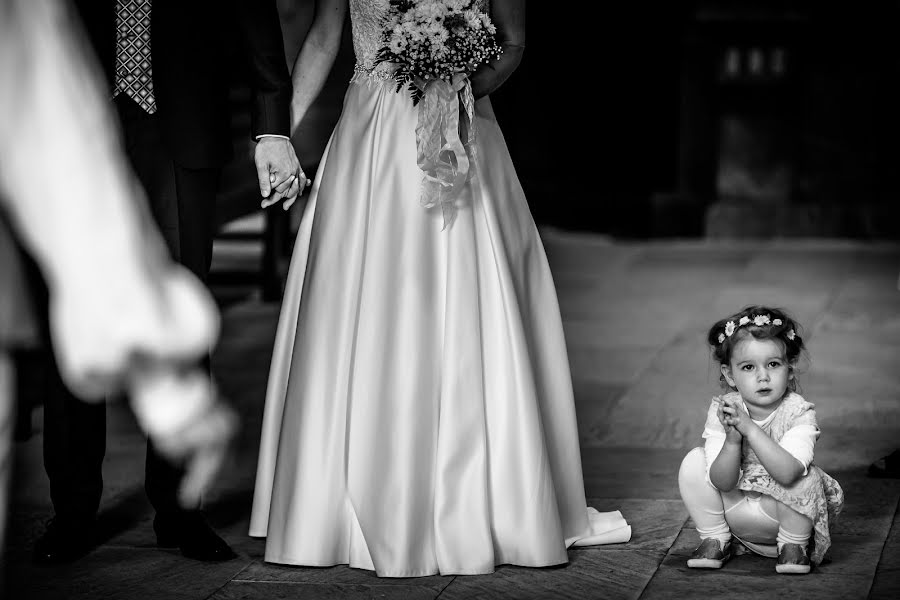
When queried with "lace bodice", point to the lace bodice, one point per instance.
{"points": [[366, 18]]}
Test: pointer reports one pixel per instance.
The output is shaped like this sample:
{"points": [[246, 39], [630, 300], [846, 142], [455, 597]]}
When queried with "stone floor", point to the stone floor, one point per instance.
{"points": [[635, 317]]}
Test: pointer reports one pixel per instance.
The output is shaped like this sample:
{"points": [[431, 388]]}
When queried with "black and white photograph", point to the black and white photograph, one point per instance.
{"points": [[449, 299]]}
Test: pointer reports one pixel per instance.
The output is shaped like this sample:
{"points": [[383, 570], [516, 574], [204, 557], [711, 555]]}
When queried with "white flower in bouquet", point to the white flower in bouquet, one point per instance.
{"points": [[429, 40], [434, 46]]}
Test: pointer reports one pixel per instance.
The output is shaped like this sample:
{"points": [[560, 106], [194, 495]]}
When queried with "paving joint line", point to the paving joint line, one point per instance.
{"points": [[230, 579], [669, 549], [883, 546], [444, 589]]}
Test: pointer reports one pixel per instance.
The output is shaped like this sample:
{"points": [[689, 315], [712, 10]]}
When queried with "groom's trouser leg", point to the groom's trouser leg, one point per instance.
{"points": [[7, 425], [74, 437], [195, 195], [74, 446], [182, 202]]}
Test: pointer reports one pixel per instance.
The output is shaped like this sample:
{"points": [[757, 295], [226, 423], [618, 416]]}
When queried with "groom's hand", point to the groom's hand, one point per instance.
{"points": [[278, 171]]}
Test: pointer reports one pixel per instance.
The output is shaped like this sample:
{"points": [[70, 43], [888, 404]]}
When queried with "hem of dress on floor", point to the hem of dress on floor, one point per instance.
{"points": [[281, 561]]}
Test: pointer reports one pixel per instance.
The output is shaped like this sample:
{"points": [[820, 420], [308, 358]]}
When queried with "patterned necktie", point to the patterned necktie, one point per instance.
{"points": [[134, 75]]}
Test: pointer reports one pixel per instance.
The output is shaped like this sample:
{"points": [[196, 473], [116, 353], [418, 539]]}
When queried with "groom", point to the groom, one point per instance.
{"points": [[166, 64]]}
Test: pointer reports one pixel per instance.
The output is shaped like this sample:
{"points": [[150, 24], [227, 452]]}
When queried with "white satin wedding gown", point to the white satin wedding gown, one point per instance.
{"points": [[419, 416]]}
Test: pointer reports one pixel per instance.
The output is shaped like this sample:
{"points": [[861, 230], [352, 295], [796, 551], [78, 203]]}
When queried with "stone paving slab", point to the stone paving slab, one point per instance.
{"points": [[666, 407], [869, 504], [610, 364], [120, 573], [635, 315], [858, 539], [862, 309], [604, 572], [804, 303], [886, 584], [250, 590], [594, 403], [655, 524], [339, 574], [646, 473], [615, 571], [751, 576], [653, 320], [830, 349], [842, 452], [687, 258], [797, 267]]}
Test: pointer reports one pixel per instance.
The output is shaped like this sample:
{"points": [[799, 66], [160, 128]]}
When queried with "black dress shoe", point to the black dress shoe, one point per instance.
{"points": [[193, 536], [64, 542]]}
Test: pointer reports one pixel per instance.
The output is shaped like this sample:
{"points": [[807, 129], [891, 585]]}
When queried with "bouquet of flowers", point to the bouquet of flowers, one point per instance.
{"points": [[432, 40], [435, 46]]}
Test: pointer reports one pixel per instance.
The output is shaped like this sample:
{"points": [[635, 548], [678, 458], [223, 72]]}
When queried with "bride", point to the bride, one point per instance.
{"points": [[419, 415]]}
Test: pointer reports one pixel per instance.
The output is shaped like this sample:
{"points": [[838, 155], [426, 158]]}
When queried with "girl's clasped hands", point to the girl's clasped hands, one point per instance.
{"points": [[733, 419]]}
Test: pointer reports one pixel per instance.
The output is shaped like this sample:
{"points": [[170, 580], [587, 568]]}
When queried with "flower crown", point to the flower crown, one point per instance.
{"points": [[758, 320]]}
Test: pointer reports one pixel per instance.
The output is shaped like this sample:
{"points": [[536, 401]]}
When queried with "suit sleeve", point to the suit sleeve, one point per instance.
{"points": [[259, 26]]}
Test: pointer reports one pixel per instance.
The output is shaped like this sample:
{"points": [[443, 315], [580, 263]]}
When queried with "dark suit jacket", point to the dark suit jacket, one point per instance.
{"points": [[193, 44]]}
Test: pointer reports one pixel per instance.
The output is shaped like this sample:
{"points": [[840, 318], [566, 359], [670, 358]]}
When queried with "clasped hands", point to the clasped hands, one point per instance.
{"points": [[736, 422], [278, 171]]}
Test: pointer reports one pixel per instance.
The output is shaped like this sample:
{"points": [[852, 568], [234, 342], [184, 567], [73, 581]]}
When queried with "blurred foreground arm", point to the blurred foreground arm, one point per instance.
{"points": [[122, 314]]}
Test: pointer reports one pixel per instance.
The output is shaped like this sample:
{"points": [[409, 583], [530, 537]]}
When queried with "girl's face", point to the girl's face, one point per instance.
{"points": [[760, 373]]}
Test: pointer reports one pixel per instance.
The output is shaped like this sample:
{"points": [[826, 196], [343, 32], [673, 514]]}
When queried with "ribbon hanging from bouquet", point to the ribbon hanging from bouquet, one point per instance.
{"points": [[444, 132]]}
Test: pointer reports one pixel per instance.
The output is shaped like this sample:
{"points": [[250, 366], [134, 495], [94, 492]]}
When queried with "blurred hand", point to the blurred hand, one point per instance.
{"points": [[201, 446], [278, 171]]}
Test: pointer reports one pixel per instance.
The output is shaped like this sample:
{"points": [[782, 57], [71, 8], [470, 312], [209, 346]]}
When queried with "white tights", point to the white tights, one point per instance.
{"points": [[757, 520]]}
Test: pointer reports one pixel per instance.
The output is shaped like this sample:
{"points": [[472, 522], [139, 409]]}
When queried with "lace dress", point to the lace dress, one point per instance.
{"points": [[419, 415], [817, 495]]}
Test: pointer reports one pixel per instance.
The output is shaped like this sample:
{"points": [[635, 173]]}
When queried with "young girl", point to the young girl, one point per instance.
{"points": [[754, 479]]}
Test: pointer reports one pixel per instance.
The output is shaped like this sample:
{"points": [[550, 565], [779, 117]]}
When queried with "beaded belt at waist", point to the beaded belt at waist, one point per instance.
{"points": [[374, 74]]}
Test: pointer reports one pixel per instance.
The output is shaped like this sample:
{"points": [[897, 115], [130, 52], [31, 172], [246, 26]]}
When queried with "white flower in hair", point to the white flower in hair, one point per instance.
{"points": [[776, 322], [729, 328], [760, 320], [790, 335], [743, 321], [721, 337]]}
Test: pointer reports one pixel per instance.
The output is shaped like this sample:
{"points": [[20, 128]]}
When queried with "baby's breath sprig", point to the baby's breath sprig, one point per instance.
{"points": [[435, 39]]}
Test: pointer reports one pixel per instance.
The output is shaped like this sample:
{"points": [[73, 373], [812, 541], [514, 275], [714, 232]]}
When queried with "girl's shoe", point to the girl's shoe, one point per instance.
{"points": [[792, 559], [710, 554]]}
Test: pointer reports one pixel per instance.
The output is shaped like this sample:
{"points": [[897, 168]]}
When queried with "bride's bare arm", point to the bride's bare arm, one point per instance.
{"points": [[509, 18], [316, 56]]}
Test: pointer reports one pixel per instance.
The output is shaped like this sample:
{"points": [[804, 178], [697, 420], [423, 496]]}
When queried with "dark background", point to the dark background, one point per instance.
{"points": [[621, 119], [727, 119]]}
